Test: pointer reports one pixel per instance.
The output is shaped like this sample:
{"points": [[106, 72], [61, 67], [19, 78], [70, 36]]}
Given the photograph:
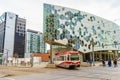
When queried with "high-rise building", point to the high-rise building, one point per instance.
{"points": [[34, 42], [12, 34], [81, 31]]}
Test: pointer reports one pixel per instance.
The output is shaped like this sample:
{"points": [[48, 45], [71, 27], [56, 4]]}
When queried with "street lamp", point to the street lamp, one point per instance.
{"points": [[93, 44]]}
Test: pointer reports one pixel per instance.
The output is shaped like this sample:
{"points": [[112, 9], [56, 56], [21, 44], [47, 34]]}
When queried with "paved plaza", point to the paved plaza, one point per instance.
{"points": [[84, 73]]}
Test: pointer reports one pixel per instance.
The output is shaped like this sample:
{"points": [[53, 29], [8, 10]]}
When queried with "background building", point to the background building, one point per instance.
{"points": [[34, 43], [80, 30], [12, 35]]}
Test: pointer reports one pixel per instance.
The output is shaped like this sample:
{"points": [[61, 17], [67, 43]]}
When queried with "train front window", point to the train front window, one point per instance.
{"points": [[61, 58], [74, 57]]}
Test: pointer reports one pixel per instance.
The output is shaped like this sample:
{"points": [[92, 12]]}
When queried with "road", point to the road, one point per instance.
{"points": [[88, 73]]}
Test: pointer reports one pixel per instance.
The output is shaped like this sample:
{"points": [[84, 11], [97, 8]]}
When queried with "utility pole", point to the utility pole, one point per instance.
{"points": [[51, 55], [31, 60]]}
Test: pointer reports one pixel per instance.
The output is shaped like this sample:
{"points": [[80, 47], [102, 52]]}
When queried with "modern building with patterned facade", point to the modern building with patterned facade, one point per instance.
{"points": [[12, 34], [34, 43], [80, 30]]}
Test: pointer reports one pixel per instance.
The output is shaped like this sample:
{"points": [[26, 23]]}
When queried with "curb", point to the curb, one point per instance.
{"points": [[3, 75]]}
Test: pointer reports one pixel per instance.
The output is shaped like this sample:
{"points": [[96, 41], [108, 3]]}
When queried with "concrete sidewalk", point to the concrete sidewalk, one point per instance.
{"points": [[19, 71], [86, 64], [3, 74]]}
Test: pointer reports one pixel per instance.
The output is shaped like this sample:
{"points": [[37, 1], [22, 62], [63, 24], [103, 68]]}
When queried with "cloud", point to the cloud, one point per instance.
{"points": [[32, 10], [29, 9]]}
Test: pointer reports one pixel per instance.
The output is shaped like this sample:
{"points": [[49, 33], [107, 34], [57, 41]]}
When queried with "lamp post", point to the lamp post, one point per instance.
{"points": [[93, 44]]}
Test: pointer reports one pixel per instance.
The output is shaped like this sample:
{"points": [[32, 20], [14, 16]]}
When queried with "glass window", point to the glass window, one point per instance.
{"points": [[61, 58], [74, 57]]}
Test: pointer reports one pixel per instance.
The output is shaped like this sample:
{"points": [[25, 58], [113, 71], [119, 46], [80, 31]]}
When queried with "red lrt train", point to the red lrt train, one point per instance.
{"points": [[69, 59]]}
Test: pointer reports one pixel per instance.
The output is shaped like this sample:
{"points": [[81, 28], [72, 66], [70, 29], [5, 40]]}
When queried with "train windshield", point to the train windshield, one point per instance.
{"points": [[74, 57]]}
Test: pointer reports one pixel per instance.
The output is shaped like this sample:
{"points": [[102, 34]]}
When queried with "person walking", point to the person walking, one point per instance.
{"points": [[109, 63], [103, 63], [90, 61], [115, 62]]}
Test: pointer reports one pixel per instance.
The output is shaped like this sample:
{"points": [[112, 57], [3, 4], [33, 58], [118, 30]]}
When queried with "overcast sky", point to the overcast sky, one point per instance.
{"points": [[32, 10]]}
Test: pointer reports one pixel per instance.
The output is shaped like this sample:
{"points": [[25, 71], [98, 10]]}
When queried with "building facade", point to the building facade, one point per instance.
{"points": [[80, 30], [34, 42], [12, 34]]}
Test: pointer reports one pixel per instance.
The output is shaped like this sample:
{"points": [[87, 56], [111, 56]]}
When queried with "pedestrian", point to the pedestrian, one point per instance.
{"points": [[90, 61], [109, 63], [115, 62], [103, 63]]}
